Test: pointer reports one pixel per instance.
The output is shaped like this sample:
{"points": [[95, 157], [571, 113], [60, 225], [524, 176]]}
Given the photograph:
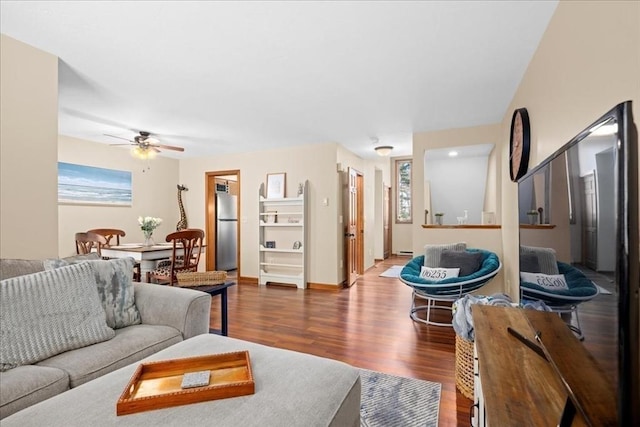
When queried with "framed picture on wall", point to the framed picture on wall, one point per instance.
{"points": [[276, 185], [88, 185]]}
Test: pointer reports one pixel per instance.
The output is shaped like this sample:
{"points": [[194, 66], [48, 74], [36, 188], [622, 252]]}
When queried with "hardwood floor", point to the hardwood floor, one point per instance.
{"points": [[367, 326]]}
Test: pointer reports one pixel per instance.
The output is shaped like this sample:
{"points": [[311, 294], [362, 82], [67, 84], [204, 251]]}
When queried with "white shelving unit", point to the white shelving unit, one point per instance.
{"points": [[283, 222]]}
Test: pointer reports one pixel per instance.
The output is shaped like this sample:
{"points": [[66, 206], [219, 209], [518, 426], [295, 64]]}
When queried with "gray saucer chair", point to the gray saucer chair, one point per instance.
{"points": [[563, 301], [447, 290]]}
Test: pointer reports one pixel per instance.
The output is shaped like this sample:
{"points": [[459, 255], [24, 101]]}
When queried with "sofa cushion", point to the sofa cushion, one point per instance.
{"points": [[74, 259], [432, 253], [27, 385], [129, 345], [47, 313], [19, 267], [115, 287], [51, 263]]}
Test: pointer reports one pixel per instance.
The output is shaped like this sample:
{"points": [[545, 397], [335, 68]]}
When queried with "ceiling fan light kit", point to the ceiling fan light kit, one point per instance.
{"points": [[384, 150], [144, 153], [145, 146]]}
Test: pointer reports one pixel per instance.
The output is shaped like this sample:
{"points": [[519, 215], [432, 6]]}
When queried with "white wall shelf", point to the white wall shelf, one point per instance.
{"points": [[283, 221]]}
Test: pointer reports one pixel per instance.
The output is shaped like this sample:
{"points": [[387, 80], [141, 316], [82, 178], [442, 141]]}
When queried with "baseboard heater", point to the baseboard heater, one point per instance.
{"points": [[409, 253]]}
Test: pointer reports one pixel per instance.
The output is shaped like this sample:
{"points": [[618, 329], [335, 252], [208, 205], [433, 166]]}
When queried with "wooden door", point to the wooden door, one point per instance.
{"points": [[589, 222], [386, 220], [359, 223], [351, 229]]}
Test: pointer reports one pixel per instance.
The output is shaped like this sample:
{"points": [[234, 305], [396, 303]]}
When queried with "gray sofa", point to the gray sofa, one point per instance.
{"points": [[81, 386], [168, 315]]}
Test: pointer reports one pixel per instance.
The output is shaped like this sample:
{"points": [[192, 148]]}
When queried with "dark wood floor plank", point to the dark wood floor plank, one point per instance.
{"points": [[368, 326]]}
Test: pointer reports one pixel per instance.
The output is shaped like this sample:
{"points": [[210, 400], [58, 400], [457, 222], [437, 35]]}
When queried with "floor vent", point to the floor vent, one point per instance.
{"points": [[407, 253]]}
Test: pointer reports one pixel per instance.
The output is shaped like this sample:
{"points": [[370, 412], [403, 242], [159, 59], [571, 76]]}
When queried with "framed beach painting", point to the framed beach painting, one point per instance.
{"points": [[88, 185]]}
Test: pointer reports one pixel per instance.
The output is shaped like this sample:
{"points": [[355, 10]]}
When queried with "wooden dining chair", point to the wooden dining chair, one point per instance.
{"points": [[109, 234], [86, 242], [114, 233], [187, 246]]}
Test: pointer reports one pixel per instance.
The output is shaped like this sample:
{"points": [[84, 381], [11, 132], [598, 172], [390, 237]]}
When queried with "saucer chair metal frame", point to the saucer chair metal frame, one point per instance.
{"points": [[448, 290], [564, 301]]}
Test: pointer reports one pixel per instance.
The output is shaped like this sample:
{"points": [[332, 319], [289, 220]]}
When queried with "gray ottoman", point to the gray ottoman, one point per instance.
{"points": [[291, 389]]}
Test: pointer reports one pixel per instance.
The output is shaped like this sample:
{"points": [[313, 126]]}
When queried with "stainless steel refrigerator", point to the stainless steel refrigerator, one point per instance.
{"points": [[226, 232]]}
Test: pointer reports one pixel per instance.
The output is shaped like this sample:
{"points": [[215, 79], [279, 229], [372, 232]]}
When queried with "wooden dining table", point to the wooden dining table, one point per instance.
{"points": [[147, 256]]}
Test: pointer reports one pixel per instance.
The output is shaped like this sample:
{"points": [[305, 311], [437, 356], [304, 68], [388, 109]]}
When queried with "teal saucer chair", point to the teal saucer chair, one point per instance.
{"points": [[564, 301], [447, 290]]}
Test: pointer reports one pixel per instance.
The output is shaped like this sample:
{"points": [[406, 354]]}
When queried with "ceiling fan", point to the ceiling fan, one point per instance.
{"points": [[145, 145]]}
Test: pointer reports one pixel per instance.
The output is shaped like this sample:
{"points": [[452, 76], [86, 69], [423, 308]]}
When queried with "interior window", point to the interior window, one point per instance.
{"points": [[403, 191]]}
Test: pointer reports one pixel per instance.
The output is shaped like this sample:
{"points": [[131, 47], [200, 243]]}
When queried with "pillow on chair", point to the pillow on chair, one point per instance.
{"points": [[529, 263], [550, 282], [467, 262], [546, 258], [437, 273], [432, 253]]}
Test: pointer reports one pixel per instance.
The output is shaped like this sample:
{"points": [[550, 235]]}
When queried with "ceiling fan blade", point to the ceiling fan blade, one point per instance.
{"points": [[167, 147], [120, 144], [155, 149], [119, 137]]}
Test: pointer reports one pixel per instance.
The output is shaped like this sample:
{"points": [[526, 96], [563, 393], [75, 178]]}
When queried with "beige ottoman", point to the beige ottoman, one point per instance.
{"points": [[291, 389]]}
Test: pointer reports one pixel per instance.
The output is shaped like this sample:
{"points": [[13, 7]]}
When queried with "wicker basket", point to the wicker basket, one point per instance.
{"points": [[464, 367], [201, 278]]}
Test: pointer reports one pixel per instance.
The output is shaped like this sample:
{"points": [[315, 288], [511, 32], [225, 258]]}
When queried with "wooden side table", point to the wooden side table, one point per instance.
{"points": [[221, 290]]}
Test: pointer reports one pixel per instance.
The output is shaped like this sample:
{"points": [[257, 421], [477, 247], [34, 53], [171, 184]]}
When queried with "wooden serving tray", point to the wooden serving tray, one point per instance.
{"points": [[156, 385]]}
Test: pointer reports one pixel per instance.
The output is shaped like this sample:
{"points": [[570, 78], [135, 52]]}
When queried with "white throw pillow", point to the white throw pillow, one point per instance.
{"points": [[437, 273], [551, 282]]}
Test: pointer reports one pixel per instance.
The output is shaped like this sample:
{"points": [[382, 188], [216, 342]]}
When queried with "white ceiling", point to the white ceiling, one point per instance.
{"points": [[226, 77]]}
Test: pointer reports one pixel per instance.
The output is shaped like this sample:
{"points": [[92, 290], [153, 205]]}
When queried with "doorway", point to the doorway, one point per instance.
{"points": [[222, 211]]}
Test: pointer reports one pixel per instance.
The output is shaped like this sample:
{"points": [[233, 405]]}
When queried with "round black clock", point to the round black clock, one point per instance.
{"points": [[519, 144]]}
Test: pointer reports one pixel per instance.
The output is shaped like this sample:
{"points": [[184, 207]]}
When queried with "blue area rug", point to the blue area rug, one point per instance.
{"points": [[390, 401]]}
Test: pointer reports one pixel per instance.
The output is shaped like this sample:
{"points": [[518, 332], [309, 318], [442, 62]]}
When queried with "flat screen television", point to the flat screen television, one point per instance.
{"points": [[586, 198]]}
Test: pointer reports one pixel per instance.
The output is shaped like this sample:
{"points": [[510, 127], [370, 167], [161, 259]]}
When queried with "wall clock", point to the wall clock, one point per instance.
{"points": [[519, 144]]}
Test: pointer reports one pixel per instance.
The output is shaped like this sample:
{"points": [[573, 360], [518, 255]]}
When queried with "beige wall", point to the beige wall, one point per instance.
{"points": [[154, 193], [317, 163], [28, 134], [587, 62]]}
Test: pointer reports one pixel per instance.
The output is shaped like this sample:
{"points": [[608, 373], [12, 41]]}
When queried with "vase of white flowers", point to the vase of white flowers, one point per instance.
{"points": [[147, 225]]}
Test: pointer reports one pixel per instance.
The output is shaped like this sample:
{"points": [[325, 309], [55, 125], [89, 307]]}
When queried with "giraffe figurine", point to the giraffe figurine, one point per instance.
{"points": [[182, 224]]}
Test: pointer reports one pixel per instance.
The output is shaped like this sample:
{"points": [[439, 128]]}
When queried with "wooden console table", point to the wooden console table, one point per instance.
{"points": [[518, 387]]}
